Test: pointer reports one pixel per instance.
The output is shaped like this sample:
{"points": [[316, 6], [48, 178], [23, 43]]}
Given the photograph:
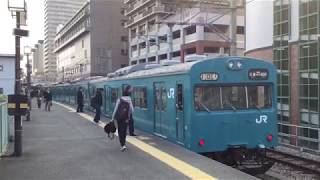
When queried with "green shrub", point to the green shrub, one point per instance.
{"points": [[3, 98]]}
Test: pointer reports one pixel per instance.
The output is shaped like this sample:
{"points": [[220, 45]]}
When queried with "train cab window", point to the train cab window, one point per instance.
{"points": [[207, 98], [114, 95], [259, 96], [215, 98], [234, 97]]}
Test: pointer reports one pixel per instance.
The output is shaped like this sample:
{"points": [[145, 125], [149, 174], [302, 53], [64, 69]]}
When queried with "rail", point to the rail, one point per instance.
{"points": [[300, 137], [297, 162], [4, 127]]}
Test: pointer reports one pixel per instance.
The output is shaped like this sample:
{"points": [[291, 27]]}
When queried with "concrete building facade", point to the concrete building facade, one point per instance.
{"points": [[294, 48], [160, 29], [38, 62], [56, 12], [7, 73], [93, 42]]}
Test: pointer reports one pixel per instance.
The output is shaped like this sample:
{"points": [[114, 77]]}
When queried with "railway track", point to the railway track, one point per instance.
{"points": [[299, 163]]}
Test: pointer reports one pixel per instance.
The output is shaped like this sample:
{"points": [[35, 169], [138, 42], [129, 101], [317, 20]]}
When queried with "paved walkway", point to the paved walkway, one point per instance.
{"points": [[62, 145]]}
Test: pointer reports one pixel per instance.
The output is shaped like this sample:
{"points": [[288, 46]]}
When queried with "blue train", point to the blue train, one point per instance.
{"points": [[223, 107]]}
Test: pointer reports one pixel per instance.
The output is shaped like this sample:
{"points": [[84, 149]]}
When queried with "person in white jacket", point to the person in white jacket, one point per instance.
{"points": [[122, 113]]}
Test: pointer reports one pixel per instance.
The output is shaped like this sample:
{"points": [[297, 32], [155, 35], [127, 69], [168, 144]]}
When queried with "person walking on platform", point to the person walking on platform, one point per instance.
{"points": [[80, 98], [122, 114], [97, 105], [48, 100], [39, 99]]}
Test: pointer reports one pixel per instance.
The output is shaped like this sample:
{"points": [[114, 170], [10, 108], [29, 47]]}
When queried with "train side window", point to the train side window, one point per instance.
{"points": [[164, 99], [179, 98], [114, 95], [157, 99], [140, 97]]}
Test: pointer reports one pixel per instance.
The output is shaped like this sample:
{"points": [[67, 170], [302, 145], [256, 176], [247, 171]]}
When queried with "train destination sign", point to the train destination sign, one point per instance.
{"points": [[258, 74], [210, 76]]}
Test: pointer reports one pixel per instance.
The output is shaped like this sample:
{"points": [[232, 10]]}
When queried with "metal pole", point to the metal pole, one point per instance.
{"points": [[17, 119], [233, 28], [29, 86]]}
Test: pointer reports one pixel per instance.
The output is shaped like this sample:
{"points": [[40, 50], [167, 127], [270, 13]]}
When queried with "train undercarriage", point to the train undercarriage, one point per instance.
{"points": [[250, 161]]}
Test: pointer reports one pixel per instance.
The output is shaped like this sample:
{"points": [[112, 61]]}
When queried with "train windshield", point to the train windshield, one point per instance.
{"points": [[215, 98]]}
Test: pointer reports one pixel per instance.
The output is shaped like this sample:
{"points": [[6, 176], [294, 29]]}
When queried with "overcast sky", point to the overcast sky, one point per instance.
{"points": [[34, 25]]}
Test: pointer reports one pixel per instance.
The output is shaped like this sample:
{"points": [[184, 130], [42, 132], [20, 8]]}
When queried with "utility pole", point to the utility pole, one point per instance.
{"points": [[233, 28], [17, 119], [170, 40]]}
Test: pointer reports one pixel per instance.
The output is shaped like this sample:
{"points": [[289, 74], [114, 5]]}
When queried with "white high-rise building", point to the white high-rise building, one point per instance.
{"points": [[56, 12]]}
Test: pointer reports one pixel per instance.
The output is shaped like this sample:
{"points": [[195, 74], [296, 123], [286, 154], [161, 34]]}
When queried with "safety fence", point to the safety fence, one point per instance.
{"points": [[301, 137], [4, 127]]}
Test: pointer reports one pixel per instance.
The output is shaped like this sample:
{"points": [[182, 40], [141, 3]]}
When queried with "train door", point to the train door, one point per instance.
{"points": [[179, 112], [160, 106]]}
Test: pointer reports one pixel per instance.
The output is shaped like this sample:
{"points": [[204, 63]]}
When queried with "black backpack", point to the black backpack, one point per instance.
{"points": [[122, 112], [110, 129]]}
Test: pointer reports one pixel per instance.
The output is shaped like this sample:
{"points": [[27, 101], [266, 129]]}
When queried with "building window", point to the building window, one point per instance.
{"points": [[191, 30], [124, 52], [142, 60], [176, 54], [1, 67], [122, 11], [142, 45], [85, 54], [163, 56], [176, 34], [211, 50], [191, 51], [140, 97], [163, 39], [124, 38], [152, 59], [1, 90], [240, 29]]}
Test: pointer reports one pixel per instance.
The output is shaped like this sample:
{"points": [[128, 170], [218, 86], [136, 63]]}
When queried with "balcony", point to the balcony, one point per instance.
{"points": [[155, 10], [136, 6]]}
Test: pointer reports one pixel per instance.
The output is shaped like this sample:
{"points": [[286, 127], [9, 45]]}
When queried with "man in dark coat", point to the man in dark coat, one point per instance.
{"points": [[98, 104], [80, 98]]}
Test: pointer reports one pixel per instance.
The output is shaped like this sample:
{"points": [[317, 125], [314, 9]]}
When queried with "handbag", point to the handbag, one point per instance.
{"points": [[110, 129]]}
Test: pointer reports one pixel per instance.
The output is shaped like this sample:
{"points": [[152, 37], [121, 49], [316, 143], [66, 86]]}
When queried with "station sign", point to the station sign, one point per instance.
{"points": [[17, 105], [258, 74], [210, 76]]}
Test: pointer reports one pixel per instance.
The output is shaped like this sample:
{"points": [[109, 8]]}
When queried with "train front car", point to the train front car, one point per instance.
{"points": [[234, 115]]}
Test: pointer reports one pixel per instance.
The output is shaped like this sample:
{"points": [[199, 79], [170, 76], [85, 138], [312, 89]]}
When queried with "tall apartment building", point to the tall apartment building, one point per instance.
{"points": [[93, 42], [37, 60], [56, 12], [163, 29], [287, 33]]}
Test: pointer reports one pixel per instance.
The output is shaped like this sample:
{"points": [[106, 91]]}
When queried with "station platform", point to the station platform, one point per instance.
{"points": [[65, 145]]}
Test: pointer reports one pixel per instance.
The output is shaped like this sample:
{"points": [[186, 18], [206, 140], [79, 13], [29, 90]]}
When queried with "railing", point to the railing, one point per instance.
{"points": [[300, 137], [4, 127]]}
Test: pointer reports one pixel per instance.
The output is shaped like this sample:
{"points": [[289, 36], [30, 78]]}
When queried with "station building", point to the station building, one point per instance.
{"points": [[162, 29], [286, 32], [93, 42]]}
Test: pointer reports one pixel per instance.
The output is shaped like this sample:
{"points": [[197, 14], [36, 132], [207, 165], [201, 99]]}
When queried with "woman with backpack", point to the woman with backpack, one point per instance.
{"points": [[122, 113]]}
